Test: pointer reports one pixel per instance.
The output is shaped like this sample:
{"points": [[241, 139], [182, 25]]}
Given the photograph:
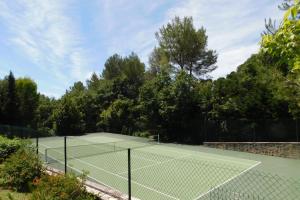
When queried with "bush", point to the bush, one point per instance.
{"points": [[144, 134], [8, 147], [20, 169], [45, 132], [60, 187]]}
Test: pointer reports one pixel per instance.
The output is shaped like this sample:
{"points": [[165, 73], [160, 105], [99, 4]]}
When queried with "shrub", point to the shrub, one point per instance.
{"points": [[60, 187], [8, 147], [20, 169], [45, 132], [144, 134]]}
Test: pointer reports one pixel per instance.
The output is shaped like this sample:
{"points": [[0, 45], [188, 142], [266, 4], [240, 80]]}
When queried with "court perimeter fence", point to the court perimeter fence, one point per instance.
{"points": [[258, 130], [247, 185], [17, 131]]}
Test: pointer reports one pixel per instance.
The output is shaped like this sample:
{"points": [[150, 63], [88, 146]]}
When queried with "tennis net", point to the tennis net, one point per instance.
{"points": [[92, 149]]}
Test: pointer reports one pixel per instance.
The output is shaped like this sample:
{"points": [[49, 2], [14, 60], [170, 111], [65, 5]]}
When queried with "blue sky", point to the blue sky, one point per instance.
{"points": [[58, 42]]}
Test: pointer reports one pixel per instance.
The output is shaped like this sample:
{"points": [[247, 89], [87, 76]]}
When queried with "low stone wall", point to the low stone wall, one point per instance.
{"points": [[280, 149]]}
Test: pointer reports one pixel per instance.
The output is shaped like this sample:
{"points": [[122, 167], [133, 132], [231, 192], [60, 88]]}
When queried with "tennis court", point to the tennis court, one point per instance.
{"points": [[158, 171]]}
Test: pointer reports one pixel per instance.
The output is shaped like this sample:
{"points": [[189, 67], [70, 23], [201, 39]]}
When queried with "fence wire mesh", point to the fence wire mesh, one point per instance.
{"points": [[16, 131], [256, 130], [279, 149], [256, 185], [265, 185], [223, 194], [174, 176], [160, 173], [102, 168]]}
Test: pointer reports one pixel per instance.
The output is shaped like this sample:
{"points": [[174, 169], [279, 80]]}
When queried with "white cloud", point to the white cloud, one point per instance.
{"points": [[46, 34], [230, 59], [53, 93], [233, 28], [129, 26]]}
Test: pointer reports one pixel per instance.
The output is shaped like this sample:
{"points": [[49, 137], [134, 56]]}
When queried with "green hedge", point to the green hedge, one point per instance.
{"points": [[20, 169], [60, 187], [9, 146]]}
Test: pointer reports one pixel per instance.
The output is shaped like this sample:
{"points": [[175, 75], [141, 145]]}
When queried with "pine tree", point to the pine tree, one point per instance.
{"points": [[11, 105]]}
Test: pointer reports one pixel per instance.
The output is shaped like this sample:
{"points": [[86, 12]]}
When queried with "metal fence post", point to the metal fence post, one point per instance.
{"points": [[297, 134], [46, 155], [37, 145], [129, 175], [65, 153]]}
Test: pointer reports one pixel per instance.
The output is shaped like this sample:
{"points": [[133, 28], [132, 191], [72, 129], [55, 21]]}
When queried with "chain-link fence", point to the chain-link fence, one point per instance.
{"points": [[259, 130], [21, 132], [257, 185], [279, 149], [146, 171], [224, 194], [158, 172], [16, 131]]}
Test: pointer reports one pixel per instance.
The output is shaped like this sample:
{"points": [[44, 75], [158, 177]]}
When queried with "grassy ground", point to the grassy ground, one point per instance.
{"points": [[4, 195]]}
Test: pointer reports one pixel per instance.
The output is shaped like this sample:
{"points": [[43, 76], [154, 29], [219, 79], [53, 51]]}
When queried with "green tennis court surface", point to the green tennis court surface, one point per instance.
{"points": [[158, 171]]}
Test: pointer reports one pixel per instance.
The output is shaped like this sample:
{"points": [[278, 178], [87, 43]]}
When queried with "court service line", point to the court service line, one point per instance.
{"points": [[232, 178], [83, 139], [211, 157], [158, 163], [119, 176], [143, 158]]}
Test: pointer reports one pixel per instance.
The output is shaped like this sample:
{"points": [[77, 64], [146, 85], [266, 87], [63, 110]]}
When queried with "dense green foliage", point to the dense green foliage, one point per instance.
{"points": [[18, 101], [60, 187], [20, 169], [186, 47], [283, 49], [171, 97], [8, 147], [23, 171]]}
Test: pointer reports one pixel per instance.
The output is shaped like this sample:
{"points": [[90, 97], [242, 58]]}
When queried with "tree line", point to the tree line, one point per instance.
{"points": [[174, 96]]}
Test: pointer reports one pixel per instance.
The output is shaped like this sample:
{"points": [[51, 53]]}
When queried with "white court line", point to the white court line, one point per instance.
{"points": [[143, 158], [117, 175], [187, 155], [234, 177], [84, 139], [211, 157], [158, 163]]}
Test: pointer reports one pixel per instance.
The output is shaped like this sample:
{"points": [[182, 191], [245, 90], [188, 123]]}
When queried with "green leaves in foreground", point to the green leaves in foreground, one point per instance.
{"points": [[60, 187], [20, 169]]}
